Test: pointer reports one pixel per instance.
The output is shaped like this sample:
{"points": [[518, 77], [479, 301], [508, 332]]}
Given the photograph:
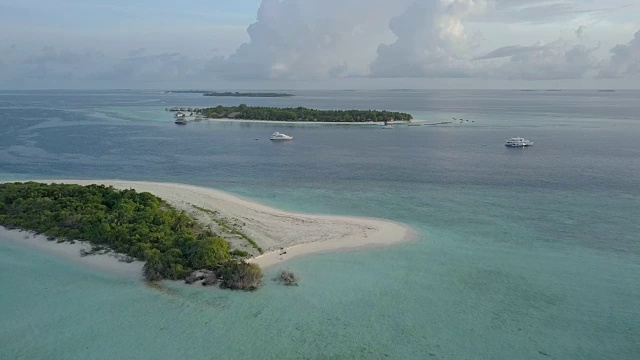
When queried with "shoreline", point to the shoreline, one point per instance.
{"points": [[104, 261], [284, 235]]}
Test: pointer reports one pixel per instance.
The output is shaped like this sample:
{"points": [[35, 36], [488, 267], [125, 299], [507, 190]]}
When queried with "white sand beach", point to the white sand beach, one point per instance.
{"points": [[283, 235]]}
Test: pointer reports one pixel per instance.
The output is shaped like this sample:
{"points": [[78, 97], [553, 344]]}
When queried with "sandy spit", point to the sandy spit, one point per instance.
{"points": [[283, 235]]}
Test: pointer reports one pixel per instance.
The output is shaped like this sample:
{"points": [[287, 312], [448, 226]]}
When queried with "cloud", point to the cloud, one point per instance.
{"points": [[59, 68], [557, 60], [624, 61], [313, 39], [51, 55], [137, 52], [51, 63], [302, 39], [580, 31], [508, 51], [547, 11], [140, 67], [431, 41]]}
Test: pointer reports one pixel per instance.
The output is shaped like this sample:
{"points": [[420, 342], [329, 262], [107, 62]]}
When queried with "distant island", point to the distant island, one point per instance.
{"points": [[301, 114], [229, 93], [185, 91], [139, 225], [247, 94]]}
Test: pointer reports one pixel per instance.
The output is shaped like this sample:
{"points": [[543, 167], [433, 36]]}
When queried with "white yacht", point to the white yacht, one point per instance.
{"points": [[279, 136], [518, 142]]}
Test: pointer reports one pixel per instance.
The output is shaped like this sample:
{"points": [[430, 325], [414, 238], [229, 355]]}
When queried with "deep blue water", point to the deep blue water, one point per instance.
{"points": [[522, 252]]}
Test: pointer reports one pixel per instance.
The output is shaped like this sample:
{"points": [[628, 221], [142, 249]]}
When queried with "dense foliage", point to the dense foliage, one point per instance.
{"points": [[302, 114], [137, 224], [239, 275]]}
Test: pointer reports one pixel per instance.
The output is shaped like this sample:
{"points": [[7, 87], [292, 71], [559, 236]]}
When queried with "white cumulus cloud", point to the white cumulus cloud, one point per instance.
{"points": [[299, 39], [624, 61], [431, 41]]}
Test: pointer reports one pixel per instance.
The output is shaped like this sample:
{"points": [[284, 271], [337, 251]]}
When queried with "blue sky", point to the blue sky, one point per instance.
{"points": [[319, 43]]}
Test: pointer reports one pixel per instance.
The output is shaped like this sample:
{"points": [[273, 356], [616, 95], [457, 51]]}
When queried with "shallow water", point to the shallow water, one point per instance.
{"points": [[523, 253]]}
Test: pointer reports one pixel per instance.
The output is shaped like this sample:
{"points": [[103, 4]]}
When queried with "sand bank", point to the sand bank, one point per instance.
{"points": [[283, 235]]}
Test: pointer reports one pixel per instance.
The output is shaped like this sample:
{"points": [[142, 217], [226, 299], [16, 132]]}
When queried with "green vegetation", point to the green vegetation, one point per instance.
{"points": [[301, 114], [247, 94], [139, 225], [239, 253], [287, 277], [239, 275], [225, 224]]}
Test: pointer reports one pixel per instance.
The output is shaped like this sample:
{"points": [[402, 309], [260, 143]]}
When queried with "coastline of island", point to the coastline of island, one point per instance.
{"points": [[284, 235], [108, 261]]}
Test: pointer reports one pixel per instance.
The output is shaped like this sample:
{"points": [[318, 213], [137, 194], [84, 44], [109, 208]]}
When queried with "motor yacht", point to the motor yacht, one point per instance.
{"points": [[279, 136], [518, 142]]}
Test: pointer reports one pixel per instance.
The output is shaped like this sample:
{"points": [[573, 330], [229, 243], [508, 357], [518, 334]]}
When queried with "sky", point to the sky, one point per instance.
{"points": [[319, 44]]}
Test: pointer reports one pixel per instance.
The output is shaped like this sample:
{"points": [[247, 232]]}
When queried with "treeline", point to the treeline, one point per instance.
{"points": [[247, 94], [301, 114], [140, 225]]}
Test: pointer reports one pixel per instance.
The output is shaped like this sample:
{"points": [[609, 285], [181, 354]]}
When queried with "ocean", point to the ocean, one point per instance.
{"points": [[522, 253]]}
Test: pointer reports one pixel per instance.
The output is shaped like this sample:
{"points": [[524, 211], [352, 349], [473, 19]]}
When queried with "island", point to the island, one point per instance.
{"points": [[301, 114], [179, 231], [247, 94], [184, 91], [229, 93], [139, 225]]}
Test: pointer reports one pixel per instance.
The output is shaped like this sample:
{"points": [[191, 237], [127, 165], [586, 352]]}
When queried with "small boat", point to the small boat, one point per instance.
{"points": [[387, 126], [181, 121], [279, 136], [518, 142]]}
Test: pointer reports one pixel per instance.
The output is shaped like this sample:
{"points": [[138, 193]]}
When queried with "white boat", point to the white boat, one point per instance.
{"points": [[387, 126], [518, 142], [279, 136]]}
